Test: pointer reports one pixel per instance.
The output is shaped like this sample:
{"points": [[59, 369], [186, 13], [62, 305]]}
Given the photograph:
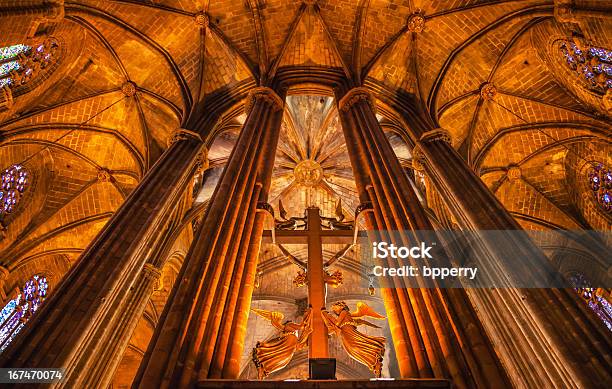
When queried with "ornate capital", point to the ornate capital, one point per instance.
{"points": [[128, 89], [514, 173], [202, 162], [565, 12], [104, 175], [415, 22], [418, 158], [363, 207], [55, 13], [202, 20], [354, 96], [263, 206], [488, 91], [436, 134], [181, 134], [151, 272], [265, 94]]}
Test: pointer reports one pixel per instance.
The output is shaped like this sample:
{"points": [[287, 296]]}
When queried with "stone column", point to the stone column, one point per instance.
{"points": [[228, 351], [74, 325], [545, 337], [435, 331], [194, 332]]}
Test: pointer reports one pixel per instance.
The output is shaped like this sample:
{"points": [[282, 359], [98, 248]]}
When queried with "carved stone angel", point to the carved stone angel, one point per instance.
{"points": [[366, 349], [274, 354]]}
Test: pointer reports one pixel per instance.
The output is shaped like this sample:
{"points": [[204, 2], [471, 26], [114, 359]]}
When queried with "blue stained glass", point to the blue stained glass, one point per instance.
{"points": [[9, 308], [8, 67], [14, 181], [602, 309], [12, 51], [25, 60], [43, 285], [10, 325], [19, 310], [594, 64], [10, 339]]}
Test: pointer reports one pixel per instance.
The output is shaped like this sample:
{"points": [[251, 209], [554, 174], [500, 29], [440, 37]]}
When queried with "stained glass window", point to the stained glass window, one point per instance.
{"points": [[594, 298], [593, 64], [19, 310], [12, 51], [600, 181], [19, 63], [15, 180]]}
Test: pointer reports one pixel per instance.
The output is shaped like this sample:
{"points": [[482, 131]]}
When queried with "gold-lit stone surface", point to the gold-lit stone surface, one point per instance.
{"points": [[159, 46], [308, 173]]}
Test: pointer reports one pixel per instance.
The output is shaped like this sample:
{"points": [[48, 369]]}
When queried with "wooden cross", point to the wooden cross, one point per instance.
{"points": [[315, 237]]}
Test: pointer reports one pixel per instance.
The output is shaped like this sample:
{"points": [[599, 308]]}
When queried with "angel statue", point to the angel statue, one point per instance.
{"points": [[274, 354], [365, 349]]}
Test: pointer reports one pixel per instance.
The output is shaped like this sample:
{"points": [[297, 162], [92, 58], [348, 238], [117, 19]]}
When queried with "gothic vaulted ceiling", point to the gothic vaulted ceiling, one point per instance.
{"points": [[132, 71]]}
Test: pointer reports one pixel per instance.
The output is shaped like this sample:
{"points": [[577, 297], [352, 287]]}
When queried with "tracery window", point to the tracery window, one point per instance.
{"points": [[15, 180], [20, 63], [593, 64], [600, 181], [594, 298], [19, 310]]}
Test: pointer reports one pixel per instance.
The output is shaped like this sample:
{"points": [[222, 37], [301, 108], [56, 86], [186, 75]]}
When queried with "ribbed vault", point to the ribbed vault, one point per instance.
{"points": [[132, 72]]}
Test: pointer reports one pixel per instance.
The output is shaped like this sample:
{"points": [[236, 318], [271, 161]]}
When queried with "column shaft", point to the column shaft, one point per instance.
{"points": [[546, 337], [189, 342], [230, 342], [428, 325], [72, 327]]}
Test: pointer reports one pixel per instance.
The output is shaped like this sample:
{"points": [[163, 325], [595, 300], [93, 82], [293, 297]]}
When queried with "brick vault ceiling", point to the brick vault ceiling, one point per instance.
{"points": [[175, 64]]}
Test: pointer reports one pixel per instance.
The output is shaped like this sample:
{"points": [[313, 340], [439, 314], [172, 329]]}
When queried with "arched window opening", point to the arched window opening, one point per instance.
{"points": [[600, 182], [595, 299], [593, 64], [19, 310], [15, 180], [20, 63]]}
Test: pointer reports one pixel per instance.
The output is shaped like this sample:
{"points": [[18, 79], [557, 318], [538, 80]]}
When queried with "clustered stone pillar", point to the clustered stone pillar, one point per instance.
{"points": [[201, 331], [435, 331], [546, 337], [74, 327]]}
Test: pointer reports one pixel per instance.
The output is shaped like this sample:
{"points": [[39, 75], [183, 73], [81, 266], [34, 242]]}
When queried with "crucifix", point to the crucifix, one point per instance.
{"points": [[315, 230], [317, 278]]}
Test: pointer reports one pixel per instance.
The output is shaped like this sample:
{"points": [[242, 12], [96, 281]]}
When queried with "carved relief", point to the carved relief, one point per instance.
{"points": [[354, 96], [416, 22], [267, 95]]}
